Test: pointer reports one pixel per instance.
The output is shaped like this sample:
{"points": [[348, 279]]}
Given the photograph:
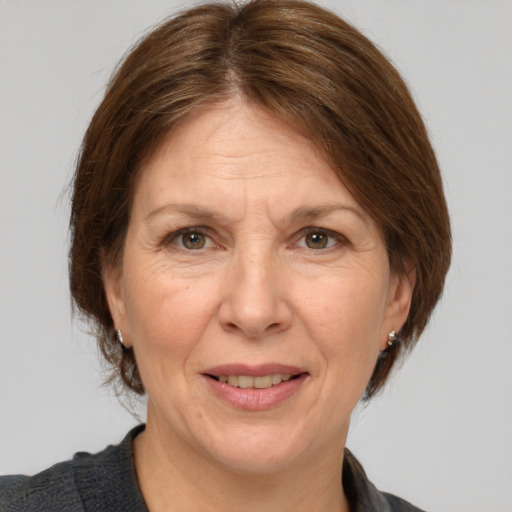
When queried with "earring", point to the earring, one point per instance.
{"points": [[120, 336], [392, 336]]}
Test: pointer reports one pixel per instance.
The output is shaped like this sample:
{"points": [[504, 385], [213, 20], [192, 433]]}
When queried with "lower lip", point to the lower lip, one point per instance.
{"points": [[256, 399]]}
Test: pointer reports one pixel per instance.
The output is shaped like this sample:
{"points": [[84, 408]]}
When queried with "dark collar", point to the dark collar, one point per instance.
{"points": [[108, 481]]}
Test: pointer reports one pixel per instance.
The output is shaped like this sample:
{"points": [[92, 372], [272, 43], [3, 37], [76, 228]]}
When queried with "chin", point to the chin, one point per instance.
{"points": [[256, 450]]}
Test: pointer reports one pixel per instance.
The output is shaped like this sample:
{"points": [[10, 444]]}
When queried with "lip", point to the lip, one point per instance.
{"points": [[255, 399], [253, 371]]}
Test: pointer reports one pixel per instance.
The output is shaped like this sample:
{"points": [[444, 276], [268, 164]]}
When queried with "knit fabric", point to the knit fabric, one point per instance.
{"points": [[107, 482]]}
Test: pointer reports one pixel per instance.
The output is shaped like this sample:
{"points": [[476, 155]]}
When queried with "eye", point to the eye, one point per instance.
{"points": [[319, 239], [191, 239]]}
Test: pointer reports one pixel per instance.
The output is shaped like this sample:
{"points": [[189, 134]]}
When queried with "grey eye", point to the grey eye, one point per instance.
{"points": [[317, 240], [193, 240]]}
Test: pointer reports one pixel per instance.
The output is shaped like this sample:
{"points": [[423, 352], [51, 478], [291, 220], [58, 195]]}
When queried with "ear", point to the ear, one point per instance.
{"points": [[399, 302], [114, 291]]}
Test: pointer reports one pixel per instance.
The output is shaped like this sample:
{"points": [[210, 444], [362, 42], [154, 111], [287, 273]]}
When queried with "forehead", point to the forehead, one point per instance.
{"points": [[235, 152], [238, 132]]}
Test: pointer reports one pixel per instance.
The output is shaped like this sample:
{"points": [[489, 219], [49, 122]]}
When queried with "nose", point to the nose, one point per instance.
{"points": [[254, 296]]}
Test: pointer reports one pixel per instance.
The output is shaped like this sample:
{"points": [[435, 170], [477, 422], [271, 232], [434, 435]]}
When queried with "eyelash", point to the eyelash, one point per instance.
{"points": [[338, 239]]}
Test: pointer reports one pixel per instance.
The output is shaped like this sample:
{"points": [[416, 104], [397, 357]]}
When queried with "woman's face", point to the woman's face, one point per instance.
{"points": [[255, 291]]}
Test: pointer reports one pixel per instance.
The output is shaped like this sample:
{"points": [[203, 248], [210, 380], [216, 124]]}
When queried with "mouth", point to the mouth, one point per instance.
{"points": [[255, 382], [255, 388]]}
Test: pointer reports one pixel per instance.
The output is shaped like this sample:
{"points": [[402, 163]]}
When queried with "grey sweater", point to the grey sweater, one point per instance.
{"points": [[107, 482]]}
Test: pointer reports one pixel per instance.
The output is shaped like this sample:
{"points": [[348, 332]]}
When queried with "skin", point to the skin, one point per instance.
{"points": [[258, 289]]}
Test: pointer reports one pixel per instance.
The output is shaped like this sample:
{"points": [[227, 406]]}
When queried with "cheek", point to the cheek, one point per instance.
{"points": [[345, 320], [167, 318], [348, 312]]}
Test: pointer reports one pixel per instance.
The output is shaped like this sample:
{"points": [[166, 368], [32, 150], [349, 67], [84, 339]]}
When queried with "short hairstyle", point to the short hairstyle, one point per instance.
{"points": [[311, 69]]}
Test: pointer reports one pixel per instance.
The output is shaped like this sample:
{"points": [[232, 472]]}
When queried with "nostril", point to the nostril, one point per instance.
{"points": [[232, 326]]}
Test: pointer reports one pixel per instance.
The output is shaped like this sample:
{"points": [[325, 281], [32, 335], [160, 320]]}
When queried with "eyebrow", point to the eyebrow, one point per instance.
{"points": [[191, 210], [304, 213], [300, 214]]}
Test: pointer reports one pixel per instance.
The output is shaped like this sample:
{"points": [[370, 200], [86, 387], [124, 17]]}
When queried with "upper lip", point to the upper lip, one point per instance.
{"points": [[254, 370]]}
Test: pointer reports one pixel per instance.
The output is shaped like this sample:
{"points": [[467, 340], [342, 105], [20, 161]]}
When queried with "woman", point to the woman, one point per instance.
{"points": [[258, 232]]}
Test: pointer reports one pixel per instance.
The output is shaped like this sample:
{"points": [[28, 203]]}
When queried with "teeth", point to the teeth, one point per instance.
{"points": [[248, 382], [245, 382], [276, 379], [263, 382]]}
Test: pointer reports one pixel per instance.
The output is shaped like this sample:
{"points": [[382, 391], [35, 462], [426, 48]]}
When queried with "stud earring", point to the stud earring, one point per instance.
{"points": [[120, 336], [392, 336]]}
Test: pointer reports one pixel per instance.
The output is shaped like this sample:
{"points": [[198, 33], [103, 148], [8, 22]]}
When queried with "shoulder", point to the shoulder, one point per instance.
{"points": [[363, 496], [53, 487], [102, 481]]}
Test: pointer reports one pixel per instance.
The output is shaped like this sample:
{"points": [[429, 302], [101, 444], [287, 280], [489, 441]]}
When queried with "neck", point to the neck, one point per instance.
{"points": [[173, 476]]}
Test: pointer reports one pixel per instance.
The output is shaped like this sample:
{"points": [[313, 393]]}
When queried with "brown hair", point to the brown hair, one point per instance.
{"points": [[306, 66]]}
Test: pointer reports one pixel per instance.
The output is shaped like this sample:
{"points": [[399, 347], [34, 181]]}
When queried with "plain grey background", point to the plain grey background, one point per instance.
{"points": [[441, 434]]}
